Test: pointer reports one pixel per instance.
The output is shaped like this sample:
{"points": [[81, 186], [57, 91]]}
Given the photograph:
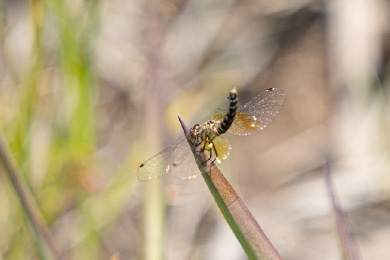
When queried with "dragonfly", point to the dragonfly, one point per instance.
{"points": [[240, 120]]}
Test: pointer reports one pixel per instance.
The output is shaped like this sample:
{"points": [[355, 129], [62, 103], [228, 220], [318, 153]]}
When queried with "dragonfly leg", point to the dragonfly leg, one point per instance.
{"points": [[208, 149], [211, 153], [202, 150], [216, 153], [204, 146]]}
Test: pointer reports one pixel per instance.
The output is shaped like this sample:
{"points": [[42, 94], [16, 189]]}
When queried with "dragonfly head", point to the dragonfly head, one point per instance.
{"points": [[195, 134]]}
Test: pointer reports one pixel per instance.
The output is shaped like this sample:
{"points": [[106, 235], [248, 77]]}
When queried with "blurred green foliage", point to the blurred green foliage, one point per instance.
{"points": [[54, 119]]}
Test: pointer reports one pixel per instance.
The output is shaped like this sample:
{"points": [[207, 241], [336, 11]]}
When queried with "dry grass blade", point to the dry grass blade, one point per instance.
{"points": [[248, 232]]}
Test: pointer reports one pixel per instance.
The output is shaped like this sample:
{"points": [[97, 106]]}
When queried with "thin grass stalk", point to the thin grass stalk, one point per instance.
{"points": [[245, 227], [348, 244], [154, 202], [28, 204]]}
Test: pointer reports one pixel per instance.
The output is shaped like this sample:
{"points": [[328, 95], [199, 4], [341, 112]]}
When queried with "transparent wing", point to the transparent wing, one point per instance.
{"points": [[179, 161], [188, 168], [256, 114], [223, 147], [221, 111], [176, 159]]}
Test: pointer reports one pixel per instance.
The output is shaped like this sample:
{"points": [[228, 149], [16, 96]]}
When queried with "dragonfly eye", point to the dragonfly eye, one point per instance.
{"points": [[195, 128], [194, 132]]}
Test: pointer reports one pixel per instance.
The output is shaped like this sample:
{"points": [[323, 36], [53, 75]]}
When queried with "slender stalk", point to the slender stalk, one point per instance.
{"points": [[29, 205], [349, 247], [248, 232], [154, 202]]}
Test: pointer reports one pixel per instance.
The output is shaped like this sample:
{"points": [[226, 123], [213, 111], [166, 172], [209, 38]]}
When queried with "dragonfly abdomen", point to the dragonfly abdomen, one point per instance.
{"points": [[230, 115]]}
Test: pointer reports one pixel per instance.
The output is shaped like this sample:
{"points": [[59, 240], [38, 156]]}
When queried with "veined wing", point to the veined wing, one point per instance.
{"points": [[256, 114], [175, 159], [223, 147], [179, 161], [188, 168]]}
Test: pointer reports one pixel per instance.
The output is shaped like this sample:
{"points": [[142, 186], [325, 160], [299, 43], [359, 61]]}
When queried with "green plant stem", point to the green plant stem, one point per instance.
{"points": [[26, 200]]}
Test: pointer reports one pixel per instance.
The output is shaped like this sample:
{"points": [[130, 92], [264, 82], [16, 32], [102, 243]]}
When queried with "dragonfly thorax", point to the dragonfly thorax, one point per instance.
{"points": [[204, 133]]}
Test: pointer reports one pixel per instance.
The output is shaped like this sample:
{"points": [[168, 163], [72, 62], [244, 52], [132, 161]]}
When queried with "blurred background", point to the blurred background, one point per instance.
{"points": [[90, 89]]}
